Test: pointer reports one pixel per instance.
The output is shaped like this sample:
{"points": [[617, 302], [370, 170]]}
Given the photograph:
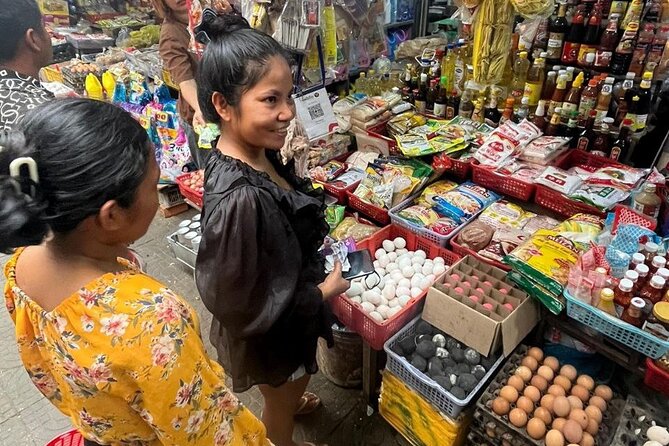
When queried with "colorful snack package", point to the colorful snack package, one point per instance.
{"points": [[347, 179], [419, 215], [435, 189], [502, 214], [581, 229], [520, 170], [559, 180], [602, 197], [503, 243], [533, 224], [444, 226], [623, 177], [350, 227], [465, 201], [544, 149], [334, 215]]}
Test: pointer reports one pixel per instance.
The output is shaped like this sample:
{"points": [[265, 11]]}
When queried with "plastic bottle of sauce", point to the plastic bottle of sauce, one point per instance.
{"points": [[466, 104], [574, 37], [588, 99], [643, 274], [638, 259], [623, 54], [647, 201], [653, 290], [604, 100], [607, 44], [571, 101], [539, 118], [535, 82], [657, 263], [591, 36], [622, 97], [606, 302], [633, 314], [601, 145], [632, 275], [554, 127], [622, 144], [642, 48], [623, 294], [587, 136], [650, 250], [549, 86], [559, 94]]}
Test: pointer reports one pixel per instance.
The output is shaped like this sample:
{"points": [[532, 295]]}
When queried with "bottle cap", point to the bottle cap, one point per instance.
{"points": [[638, 258], [556, 68], [661, 312], [638, 303], [609, 80], [659, 262], [592, 82], [423, 77], [664, 273], [649, 187], [543, 54], [652, 247], [525, 100], [647, 76], [630, 75], [632, 275], [606, 294], [657, 282], [626, 285], [590, 57], [523, 55], [642, 269]]}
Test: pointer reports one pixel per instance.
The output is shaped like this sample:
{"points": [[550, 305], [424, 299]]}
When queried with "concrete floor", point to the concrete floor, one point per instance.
{"points": [[28, 419]]}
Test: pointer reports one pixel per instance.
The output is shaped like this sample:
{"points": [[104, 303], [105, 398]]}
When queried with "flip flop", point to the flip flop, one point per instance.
{"points": [[308, 404]]}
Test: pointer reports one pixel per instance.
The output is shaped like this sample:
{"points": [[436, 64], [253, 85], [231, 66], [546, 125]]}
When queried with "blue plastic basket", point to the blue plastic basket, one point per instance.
{"points": [[426, 386], [616, 329]]}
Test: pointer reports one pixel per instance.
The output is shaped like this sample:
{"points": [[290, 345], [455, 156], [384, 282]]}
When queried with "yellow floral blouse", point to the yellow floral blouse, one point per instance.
{"points": [[123, 358]]}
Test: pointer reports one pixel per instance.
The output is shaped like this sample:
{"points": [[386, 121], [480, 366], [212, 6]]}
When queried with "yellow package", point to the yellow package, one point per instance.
{"points": [[581, 229], [433, 190], [502, 214]]}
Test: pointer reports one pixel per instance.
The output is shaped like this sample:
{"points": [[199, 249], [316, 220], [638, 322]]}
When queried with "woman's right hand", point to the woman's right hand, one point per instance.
{"points": [[334, 283]]}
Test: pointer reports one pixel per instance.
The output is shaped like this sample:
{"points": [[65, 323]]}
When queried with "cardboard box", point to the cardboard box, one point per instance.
{"points": [[485, 329]]}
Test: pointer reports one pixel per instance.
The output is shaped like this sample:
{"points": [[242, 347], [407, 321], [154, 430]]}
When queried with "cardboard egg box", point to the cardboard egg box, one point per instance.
{"points": [[486, 324]]}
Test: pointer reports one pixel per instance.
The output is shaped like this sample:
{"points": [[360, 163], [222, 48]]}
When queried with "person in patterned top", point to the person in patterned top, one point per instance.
{"points": [[25, 47], [113, 349]]}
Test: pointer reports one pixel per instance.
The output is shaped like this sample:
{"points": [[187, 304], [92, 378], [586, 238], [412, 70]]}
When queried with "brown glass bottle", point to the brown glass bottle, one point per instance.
{"points": [[587, 136], [602, 144], [622, 144], [549, 86], [623, 294], [633, 314], [554, 128], [653, 289], [539, 118]]}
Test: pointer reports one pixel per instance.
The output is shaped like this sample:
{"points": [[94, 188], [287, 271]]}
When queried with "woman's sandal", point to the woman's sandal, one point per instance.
{"points": [[308, 404]]}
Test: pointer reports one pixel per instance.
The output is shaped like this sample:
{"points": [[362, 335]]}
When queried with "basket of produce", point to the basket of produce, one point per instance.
{"points": [[657, 377], [446, 373], [191, 186], [505, 184], [378, 306], [616, 329]]}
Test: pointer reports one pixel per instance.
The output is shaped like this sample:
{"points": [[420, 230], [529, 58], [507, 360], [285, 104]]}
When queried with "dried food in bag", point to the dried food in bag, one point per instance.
{"points": [[544, 149], [502, 214], [434, 190], [502, 244], [350, 227], [475, 236], [465, 201], [419, 215], [602, 197], [444, 226], [559, 180]]}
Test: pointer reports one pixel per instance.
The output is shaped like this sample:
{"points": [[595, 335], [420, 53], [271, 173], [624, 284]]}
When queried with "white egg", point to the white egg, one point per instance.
{"points": [[418, 260], [402, 291], [371, 297], [392, 266], [380, 252], [425, 283], [426, 269], [383, 301], [376, 264], [439, 260], [403, 262], [393, 311], [404, 282], [431, 278], [356, 299], [388, 246], [421, 253], [377, 290], [399, 243], [367, 307], [404, 300], [417, 279], [383, 261], [401, 251], [376, 316], [392, 256], [392, 303], [429, 262], [383, 310], [389, 291], [415, 292], [380, 271], [438, 269], [371, 281], [354, 290], [408, 271], [397, 276]]}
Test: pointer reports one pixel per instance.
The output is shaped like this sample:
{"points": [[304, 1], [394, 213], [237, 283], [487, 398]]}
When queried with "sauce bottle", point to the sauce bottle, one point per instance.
{"points": [[466, 104], [633, 314], [523, 111], [453, 105], [549, 86], [440, 102], [658, 321], [601, 145], [559, 94], [535, 82], [622, 97], [574, 37], [507, 114], [650, 251], [633, 106], [588, 99], [607, 44], [591, 36], [573, 97], [571, 131], [632, 275], [643, 108], [623, 295], [621, 146], [647, 201], [556, 33], [653, 289], [604, 100], [638, 259], [623, 54], [587, 136], [539, 118], [642, 48], [554, 127], [606, 302], [658, 263], [643, 273]]}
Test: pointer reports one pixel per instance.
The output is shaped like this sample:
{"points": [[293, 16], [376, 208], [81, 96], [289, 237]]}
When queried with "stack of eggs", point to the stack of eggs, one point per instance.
{"points": [[401, 275], [553, 403]]}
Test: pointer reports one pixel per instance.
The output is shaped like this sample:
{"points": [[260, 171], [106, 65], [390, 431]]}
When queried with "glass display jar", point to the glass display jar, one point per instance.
{"points": [[623, 295]]}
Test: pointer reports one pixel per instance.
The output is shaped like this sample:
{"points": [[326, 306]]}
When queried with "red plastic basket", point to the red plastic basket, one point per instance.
{"points": [[464, 251], [189, 194], [351, 314], [70, 438], [339, 193], [381, 132], [656, 378], [576, 157], [374, 212], [505, 184]]}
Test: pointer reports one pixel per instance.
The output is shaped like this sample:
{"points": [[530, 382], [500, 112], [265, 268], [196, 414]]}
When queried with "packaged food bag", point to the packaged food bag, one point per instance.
{"points": [[464, 202]]}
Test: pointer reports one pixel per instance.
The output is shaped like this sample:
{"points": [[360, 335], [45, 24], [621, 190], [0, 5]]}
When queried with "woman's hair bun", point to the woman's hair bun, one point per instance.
{"points": [[224, 24], [22, 217]]}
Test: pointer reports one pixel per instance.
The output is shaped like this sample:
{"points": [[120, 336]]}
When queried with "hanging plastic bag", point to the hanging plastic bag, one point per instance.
{"points": [[175, 153]]}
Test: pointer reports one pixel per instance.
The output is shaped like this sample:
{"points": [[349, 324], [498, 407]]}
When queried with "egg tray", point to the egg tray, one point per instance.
{"points": [[476, 436], [607, 428], [637, 417]]}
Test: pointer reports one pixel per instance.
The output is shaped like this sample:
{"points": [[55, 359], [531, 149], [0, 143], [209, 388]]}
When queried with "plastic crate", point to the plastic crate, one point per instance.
{"points": [[189, 194], [464, 251], [70, 438], [337, 192], [616, 329], [374, 212], [381, 132], [459, 169], [351, 314], [656, 378], [576, 157], [433, 392], [505, 184]]}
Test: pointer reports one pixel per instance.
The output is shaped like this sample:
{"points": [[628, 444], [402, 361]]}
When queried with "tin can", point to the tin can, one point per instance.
{"points": [[188, 238], [185, 223], [196, 217], [196, 243], [195, 226], [181, 233]]}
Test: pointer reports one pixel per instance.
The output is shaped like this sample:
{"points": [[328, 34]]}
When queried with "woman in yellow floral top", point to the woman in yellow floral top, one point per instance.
{"points": [[113, 349]]}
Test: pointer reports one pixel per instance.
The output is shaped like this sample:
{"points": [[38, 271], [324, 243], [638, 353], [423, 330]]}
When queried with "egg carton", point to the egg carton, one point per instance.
{"points": [[477, 437], [498, 431], [635, 420], [610, 417]]}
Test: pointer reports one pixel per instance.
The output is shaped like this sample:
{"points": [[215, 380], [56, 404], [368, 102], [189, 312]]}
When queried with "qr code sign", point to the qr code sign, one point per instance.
{"points": [[316, 111]]}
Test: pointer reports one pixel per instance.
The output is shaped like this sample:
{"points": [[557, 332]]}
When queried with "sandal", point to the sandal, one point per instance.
{"points": [[308, 404]]}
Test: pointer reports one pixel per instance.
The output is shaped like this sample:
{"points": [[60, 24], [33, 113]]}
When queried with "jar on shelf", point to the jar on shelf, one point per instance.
{"points": [[633, 314], [658, 322], [650, 251], [606, 302], [637, 259], [643, 270]]}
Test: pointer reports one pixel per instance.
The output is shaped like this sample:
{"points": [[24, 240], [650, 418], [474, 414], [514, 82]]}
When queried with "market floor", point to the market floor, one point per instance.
{"points": [[28, 419]]}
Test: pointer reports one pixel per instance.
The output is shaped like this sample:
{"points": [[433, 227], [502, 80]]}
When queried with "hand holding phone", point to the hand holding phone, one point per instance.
{"points": [[334, 284]]}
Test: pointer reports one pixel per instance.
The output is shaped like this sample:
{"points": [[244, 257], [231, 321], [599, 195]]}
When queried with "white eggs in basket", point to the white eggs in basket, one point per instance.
{"points": [[392, 256], [383, 310], [392, 303], [418, 260], [355, 289], [402, 291], [417, 279], [438, 269], [383, 261], [392, 266], [406, 283], [408, 271], [404, 300], [376, 316], [371, 297], [415, 291], [388, 246], [367, 307], [380, 252], [403, 262], [421, 253], [393, 311], [400, 243], [426, 269], [401, 251], [356, 299], [439, 261], [383, 301], [389, 291], [370, 281]]}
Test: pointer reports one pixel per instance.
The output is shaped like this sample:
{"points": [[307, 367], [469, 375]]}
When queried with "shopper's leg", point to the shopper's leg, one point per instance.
{"points": [[280, 406]]}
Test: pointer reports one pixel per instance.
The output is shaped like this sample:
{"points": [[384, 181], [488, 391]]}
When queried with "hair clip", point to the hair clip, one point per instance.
{"points": [[15, 172]]}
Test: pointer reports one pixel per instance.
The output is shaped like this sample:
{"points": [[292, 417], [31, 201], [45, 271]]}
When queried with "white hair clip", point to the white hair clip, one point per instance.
{"points": [[15, 171]]}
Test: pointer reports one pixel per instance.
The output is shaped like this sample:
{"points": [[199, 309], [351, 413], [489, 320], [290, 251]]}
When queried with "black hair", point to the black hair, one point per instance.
{"points": [[17, 17], [87, 153], [234, 60]]}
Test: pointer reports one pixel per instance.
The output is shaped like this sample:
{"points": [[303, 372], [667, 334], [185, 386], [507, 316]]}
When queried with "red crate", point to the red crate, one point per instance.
{"points": [[374, 212], [189, 194], [656, 378], [381, 132], [351, 314], [339, 193], [464, 251], [575, 157], [505, 184]]}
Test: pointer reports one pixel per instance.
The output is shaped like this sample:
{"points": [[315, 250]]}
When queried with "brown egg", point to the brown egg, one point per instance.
{"points": [[525, 404], [563, 382], [593, 427], [517, 382], [509, 393], [586, 381], [581, 392], [553, 363], [580, 417], [547, 402], [556, 390], [546, 372], [544, 415], [518, 417], [568, 371], [604, 391], [530, 362], [539, 382], [575, 402], [536, 353], [561, 406], [587, 440], [501, 406], [532, 393], [559, 423], [554, 438], [594, 413], [536, 428], [524, 372], [572, 431], [598, 402]]}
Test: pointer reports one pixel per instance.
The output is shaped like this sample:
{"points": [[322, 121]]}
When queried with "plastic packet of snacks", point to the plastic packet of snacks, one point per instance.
{"points": [[559, 180], [465, 201]]}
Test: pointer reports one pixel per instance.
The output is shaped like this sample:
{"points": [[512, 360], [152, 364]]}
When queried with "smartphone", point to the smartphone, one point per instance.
{"points": [[361, 264]]}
